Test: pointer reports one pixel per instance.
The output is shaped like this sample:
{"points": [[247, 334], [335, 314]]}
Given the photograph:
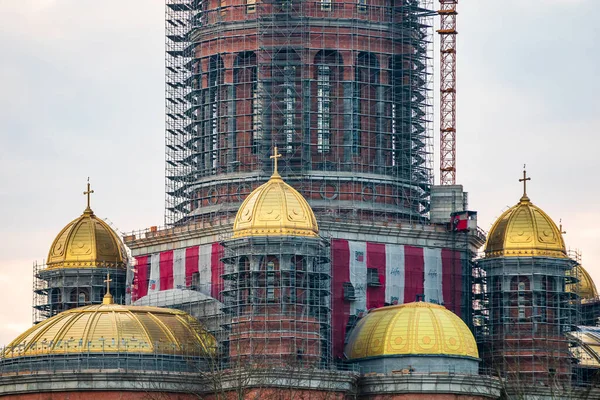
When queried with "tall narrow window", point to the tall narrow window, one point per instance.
{"points": [[289, 74], [215, 80], [323, 108], [256, 117]]}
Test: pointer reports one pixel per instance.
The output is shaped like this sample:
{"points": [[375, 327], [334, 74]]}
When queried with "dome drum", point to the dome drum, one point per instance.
{"points": [[420, 364]]}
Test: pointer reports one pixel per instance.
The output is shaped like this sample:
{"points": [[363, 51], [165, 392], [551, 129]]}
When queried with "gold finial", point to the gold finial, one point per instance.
{"points": [[275, 156], [108, 299], [524, 180], [88, 192]]}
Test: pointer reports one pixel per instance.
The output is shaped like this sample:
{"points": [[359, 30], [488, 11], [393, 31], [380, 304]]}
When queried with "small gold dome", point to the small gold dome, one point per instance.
{"points": [[275, 209], [418, 328], [108, 327], [585, 288], [525, 230], [87, 242]]}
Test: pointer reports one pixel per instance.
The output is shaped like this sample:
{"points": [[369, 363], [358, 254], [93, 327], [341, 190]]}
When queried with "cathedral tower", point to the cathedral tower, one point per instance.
{"points": [[84, 252], [529, 309], [277, 279]]}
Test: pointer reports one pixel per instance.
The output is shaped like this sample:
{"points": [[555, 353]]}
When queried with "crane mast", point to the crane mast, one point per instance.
{"points": [[448, 34]]}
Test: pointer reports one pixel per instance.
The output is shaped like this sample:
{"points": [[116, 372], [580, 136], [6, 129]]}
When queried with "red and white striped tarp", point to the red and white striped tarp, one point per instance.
{"points": [[174, 269], [404, 272]]}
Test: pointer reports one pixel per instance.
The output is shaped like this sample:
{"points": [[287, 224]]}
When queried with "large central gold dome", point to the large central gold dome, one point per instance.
{"points": [[525, 230], [275, 209], [418, 328], [113, 328]]}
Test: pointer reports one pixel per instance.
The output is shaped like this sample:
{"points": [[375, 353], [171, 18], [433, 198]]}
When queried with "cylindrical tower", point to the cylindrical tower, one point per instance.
{"points": [[529, 309], [342, 87], [277, 281]]}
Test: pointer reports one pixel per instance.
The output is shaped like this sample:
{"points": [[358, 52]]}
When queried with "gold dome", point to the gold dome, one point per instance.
{"points": [[585, 288], [108, 327], [525, 230], [418, 328], [86, 242], [275, 209]]}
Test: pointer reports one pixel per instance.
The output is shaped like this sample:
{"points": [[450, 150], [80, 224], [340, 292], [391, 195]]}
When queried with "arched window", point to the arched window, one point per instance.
{"points": [[248, 105], [328, 74], [367, 83], [286, 70], [400, 114], [215, 89]]}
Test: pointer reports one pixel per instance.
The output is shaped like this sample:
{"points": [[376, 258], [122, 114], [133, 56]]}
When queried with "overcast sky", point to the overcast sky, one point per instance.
{"points": [[81, 94]]}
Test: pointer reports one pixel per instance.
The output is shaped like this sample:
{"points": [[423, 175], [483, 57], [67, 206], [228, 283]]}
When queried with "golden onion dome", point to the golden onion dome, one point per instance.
{"points": [[85, 242], [525, 230], [585, 288], [411, 329], [275, 209], [113, 328]]}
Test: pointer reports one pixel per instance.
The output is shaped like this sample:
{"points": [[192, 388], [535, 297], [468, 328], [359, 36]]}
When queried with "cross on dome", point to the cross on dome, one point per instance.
{"points": [[275, 156], [108, 299], [88, 192], [524, 180]]}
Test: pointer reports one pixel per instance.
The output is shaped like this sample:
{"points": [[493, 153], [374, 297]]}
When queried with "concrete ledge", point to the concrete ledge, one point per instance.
{"points": [[468, 385], [226, 380]]}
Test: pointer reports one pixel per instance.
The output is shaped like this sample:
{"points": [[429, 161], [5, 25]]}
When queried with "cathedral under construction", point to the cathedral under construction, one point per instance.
{"points": [[306, 251]]}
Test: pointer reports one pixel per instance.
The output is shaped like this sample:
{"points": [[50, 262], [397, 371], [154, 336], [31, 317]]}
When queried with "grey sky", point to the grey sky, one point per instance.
{"points": [[81, 94]]}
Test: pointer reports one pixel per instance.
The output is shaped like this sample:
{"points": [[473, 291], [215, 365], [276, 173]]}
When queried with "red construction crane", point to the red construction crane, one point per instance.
{"points": [[448, 34]]}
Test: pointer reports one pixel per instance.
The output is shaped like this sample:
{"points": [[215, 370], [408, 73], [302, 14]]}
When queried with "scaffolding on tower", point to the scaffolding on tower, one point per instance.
{"points": [[343, 89]]}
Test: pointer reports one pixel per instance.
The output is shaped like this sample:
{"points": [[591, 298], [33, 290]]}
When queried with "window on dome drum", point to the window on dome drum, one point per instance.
{"points": [[325, 5], [323, 108], [289, 75], [362, 6], [215, 82], [250, 6]]}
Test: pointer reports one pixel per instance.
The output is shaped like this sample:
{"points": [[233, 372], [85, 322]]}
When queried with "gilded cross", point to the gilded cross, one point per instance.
{"points": [[560, 228], [108, 281], [275, 156], [88, 192], [524, 180]]}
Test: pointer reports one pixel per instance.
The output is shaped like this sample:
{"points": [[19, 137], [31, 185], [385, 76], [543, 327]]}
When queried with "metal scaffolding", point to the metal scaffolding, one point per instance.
{"points": [[277, 299], [342, 88], [59, 289], [523, 315]]}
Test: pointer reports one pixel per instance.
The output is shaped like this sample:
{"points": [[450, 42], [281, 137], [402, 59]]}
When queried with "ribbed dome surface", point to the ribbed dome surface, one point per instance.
{"points": [[418, 328], [87, 242], [113, 328], [525, 230], [275, 209]]}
